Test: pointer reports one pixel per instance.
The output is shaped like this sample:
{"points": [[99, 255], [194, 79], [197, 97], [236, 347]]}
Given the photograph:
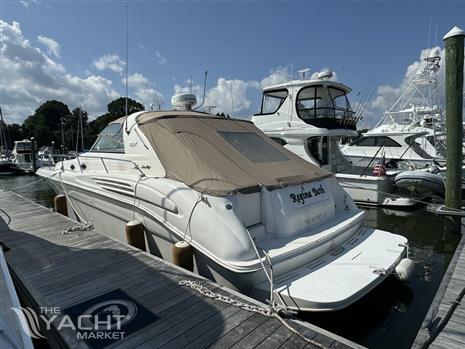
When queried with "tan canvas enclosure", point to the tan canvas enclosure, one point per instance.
{"points": [[222, 156]]}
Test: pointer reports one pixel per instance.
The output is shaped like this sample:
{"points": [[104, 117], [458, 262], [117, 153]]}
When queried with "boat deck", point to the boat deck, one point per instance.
{"points": [[85, 272], [453, 284]]}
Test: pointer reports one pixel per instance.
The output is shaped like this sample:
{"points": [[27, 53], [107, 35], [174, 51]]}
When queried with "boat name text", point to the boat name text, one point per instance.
{"points": [[306, 194]]}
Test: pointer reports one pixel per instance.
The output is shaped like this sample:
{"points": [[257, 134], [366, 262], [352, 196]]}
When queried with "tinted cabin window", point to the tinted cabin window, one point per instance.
{"points": [[388, 142], [110, 140], [366, 142], [272, 101], [377, 142]]}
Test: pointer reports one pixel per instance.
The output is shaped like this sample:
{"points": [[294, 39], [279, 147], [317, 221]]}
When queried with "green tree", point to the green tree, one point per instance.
{"points": [[14, 133], [45, 124], [74, 117], [116, 109]]}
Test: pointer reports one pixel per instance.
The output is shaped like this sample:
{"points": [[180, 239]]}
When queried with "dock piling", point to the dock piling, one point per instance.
{"points": [[135, 234], [454, 103], [33, 155], [61, 206], [183, 255]]}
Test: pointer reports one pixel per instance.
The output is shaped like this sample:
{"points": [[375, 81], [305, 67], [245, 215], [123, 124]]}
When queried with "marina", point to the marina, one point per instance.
{"points": [[194, 175], [390, 316]]}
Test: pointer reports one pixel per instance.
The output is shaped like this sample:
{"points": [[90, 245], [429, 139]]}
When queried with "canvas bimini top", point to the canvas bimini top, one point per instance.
{"points": [[221, 156]]}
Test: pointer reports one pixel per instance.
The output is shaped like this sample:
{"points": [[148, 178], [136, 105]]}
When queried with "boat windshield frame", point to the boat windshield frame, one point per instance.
{"points": [[347, 112], [114, 135], [268, 93]]}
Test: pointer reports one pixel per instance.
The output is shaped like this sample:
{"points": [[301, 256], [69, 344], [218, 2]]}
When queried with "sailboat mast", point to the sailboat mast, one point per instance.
{"points": [[3, 144], [82, 126]]}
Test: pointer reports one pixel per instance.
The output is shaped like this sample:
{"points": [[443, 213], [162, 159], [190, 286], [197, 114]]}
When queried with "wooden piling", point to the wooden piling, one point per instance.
{"points": [[183, 255], [135, 234], [454, 101], [61, 205]]}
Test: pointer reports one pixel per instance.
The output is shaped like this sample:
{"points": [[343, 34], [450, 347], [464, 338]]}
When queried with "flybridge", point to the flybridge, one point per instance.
{"points": [[320, 102]]}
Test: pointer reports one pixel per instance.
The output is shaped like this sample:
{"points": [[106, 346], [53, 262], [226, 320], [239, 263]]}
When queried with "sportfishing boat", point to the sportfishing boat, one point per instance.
{"points": [[416, 110], [401, 148], [244, 203], [309, 117]]}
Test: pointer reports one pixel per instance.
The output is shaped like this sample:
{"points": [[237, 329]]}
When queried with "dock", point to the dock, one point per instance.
{"points": [[69, 281], [444, 326]]}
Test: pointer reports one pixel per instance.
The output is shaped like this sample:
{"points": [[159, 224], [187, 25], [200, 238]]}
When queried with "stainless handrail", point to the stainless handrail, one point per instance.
{"points": [[102, 159]]}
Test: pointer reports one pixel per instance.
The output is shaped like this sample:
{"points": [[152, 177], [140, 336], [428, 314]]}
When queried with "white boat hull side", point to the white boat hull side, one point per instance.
{"points": [[370, 190], [110, 218], [363, 161]]}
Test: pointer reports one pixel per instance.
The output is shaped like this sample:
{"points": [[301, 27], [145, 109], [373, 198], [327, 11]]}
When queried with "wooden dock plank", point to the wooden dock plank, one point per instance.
{"points": [[55, 270], [201, 328], [275, 339]]}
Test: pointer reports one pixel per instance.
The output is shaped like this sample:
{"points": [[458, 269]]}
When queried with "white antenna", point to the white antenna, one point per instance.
{"points": [[127, 56], [429, 32], [303, 72]]}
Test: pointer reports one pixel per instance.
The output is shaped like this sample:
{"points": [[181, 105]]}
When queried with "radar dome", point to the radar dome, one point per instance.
{"points": [[183, 101], [325, 75]]}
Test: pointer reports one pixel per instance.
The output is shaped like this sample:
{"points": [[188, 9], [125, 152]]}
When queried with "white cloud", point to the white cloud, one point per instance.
{"points": [[26, 3], [277, 76], [29, 77], [53, 47], [145, 91], [160, 58], [229, 96], [109, 62], [136, 80]]}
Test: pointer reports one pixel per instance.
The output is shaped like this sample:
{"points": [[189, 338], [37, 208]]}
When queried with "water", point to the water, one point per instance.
{"points": [[391, 315]]}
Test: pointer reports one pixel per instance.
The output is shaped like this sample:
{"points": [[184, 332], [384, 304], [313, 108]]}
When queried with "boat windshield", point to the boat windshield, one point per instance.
{"points": [[325, 107], [23, 146], [110, 140], [272, 101]]}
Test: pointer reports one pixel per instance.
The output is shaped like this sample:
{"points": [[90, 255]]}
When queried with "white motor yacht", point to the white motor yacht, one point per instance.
{"points": [[241, 200], [23, 156], [309, 117], [401, 148]]}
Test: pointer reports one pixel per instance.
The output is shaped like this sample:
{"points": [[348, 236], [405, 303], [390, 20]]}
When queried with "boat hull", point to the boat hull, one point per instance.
{"points": [[373, 191], [8, 169], [109, 216]]}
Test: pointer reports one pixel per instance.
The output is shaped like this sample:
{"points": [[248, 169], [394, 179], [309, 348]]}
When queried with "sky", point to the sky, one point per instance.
{"points": [[75, 51]]}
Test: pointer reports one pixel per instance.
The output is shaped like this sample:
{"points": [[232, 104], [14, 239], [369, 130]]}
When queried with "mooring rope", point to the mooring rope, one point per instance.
{"points": [[87, 224]]}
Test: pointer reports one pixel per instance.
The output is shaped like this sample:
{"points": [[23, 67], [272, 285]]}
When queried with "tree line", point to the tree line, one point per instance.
{"points": [[45, 125]]}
